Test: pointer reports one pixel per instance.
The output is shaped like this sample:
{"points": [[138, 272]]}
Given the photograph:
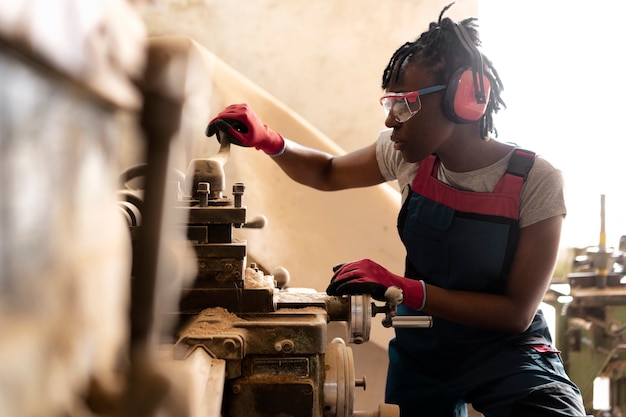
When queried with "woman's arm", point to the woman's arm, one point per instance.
{"points": [[530, 275], [326, 172], [307, 166]]}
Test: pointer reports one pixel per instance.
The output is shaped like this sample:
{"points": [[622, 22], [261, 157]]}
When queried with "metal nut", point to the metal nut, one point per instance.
{"points": [[285, 346]]}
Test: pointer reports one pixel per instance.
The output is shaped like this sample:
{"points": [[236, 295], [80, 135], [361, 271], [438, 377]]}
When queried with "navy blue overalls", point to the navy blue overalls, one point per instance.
{"points": [[464, 240]]}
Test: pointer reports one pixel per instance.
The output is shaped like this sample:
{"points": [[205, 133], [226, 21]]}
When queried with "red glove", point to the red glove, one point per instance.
{"points": [[246, 129], [367, 277]]}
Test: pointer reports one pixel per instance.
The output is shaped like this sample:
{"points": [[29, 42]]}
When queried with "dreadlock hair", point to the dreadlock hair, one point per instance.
{"points": [[440, 49]]}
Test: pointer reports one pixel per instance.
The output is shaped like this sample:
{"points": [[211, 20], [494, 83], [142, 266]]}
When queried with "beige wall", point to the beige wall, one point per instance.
{"points": [[322, 58]]}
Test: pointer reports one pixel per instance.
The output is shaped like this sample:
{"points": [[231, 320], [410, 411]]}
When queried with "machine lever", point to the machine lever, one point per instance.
{"points": [[395, 297], [257, 222], [411, 321]]}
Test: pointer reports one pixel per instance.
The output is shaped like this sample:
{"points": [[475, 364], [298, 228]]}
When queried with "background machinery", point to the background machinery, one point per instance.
{"points": [[591, 323]]}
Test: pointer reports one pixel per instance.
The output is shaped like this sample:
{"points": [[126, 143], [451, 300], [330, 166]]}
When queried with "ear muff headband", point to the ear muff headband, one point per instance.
{"points": [[469, 88]]}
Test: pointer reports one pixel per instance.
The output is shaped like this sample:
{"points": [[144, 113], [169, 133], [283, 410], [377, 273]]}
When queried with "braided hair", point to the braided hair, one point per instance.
{"points": [[440, 49]]}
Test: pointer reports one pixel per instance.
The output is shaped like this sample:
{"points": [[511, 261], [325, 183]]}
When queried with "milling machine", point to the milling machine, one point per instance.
{"points": [[267, 344]]}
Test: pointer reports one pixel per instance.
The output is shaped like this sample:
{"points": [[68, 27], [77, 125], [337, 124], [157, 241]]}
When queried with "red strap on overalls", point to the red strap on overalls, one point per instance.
{"points": [[503, 201]]}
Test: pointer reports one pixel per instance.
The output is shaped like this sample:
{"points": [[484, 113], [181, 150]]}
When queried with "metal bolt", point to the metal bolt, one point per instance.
{"points": [[177, 192], [204, 189], [238, 189], [229, 344], [361, 383], [285, 346]]}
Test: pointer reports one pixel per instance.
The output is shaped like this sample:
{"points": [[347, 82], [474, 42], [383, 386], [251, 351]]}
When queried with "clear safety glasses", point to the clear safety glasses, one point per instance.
{"points": [[403, 106]]}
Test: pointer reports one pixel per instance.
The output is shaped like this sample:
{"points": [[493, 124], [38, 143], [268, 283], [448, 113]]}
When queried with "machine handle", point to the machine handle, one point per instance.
{"points": [[411, 321], [395, 297]]}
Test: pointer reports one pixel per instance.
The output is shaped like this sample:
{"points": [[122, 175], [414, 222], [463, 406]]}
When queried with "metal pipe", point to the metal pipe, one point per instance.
{"points": [[412, 321]]}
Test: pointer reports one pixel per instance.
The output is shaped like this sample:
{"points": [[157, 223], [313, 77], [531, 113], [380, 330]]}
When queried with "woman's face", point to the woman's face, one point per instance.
{"points": [[428, 129]]}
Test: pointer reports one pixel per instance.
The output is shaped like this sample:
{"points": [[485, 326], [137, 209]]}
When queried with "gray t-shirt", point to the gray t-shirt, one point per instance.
{"points": [[542, 193]]}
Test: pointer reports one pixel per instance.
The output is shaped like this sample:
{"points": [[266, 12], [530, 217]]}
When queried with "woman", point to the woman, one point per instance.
{"points": [[481, 223]]}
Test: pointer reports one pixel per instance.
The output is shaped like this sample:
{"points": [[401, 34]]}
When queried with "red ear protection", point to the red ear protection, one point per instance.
{"points": [[461, 103], [468, 90]]}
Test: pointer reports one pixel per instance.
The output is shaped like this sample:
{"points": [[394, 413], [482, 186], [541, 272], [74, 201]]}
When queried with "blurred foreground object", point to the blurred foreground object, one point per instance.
{"points": [[98, 43], [65, 256]]}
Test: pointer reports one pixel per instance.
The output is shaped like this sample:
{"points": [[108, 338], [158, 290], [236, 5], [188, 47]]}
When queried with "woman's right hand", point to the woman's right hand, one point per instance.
{"points": [[246, 128]]}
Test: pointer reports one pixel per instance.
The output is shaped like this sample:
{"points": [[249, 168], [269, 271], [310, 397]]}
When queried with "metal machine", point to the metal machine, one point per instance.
{"points": [[592, 325], [271, 340]]}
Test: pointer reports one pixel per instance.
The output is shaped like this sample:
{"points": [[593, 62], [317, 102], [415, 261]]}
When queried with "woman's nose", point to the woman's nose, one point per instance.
{"points": [[390, 120]]}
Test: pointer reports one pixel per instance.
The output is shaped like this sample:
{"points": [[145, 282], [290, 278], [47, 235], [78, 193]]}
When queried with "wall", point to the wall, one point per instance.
{"points": [[322, 58]]}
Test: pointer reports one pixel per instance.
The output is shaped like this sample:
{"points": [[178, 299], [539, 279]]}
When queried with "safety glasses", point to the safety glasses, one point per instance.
{"points": [[403, 106]]}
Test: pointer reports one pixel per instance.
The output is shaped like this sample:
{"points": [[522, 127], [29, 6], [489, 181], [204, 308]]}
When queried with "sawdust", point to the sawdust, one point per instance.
{"points": [[255, 278], [301, 295], [213, 320]]}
